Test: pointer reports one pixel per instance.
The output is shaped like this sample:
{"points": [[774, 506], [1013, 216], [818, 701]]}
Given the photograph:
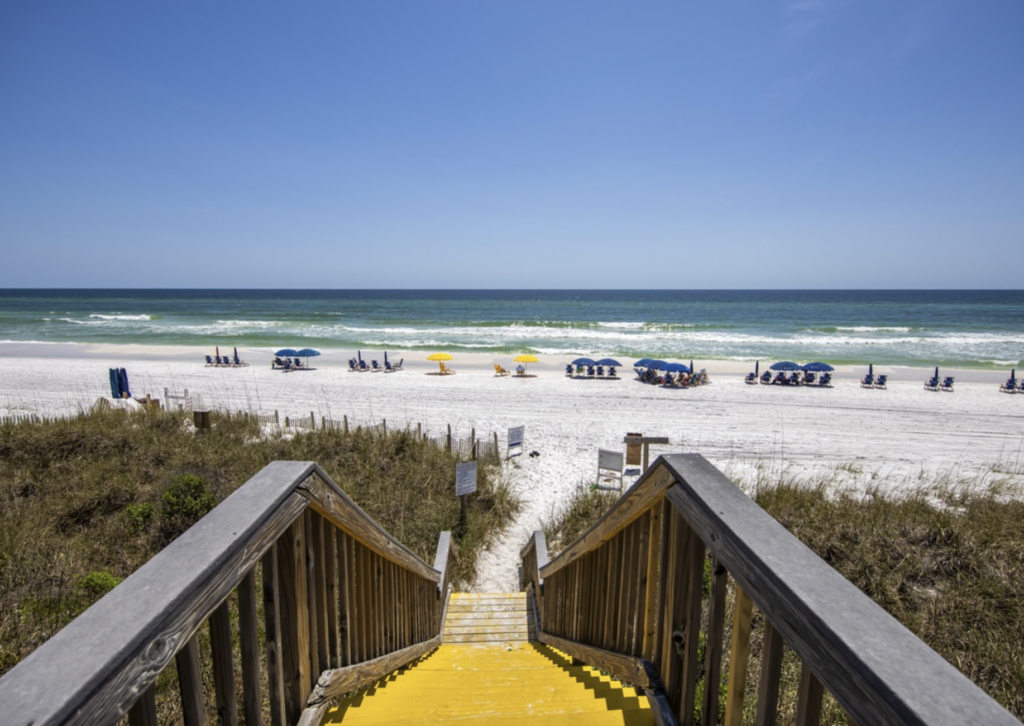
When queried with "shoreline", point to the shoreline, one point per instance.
{"points": [[114, 355]]}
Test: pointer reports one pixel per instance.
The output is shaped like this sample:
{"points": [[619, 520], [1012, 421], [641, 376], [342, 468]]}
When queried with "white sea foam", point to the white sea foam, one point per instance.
{"points": [[121, 317]]}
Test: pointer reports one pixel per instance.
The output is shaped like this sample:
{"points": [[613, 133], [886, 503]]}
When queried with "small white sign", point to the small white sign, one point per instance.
{"points": [[465, 478], [516, 434]]}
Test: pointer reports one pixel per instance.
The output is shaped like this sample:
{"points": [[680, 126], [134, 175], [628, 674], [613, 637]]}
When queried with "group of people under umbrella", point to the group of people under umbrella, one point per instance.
{"points": [[664, 373], [287, 359], [788, 373]]}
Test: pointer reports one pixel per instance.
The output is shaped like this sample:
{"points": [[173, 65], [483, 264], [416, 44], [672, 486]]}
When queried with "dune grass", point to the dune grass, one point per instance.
{"points": [[945, 558], [84, 502]]}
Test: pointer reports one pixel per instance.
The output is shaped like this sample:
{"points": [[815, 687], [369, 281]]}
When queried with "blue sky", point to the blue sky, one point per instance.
{"points": [[802, 144]]}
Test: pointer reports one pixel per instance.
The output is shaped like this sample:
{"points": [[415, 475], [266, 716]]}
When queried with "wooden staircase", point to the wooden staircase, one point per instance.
{"points": [[490, 670]]}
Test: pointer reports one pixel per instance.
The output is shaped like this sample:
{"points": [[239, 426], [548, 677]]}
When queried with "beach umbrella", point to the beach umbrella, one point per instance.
{"points": [[644, 363], [385, 359], [675, 368], [817, 367], [289, 352], [657, 364], [785, 365], [439, 356], [307, 353], [609, 362], [585, 362], [526, 358], [871, 370]]}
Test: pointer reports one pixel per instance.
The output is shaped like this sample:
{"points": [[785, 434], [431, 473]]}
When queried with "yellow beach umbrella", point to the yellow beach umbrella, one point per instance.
{"points": [[525, 358], [439, 356]]}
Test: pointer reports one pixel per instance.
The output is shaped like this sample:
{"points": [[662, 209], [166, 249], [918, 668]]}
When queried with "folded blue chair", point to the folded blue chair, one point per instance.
{"points": [[881, 380]]}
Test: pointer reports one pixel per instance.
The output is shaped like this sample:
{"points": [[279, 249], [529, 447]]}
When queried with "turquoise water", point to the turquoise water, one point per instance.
{"points": [[968, 329]]}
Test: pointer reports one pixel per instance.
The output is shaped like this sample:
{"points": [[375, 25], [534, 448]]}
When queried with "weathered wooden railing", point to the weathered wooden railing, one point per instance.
{"points": [[343, 605], [627, 597]]}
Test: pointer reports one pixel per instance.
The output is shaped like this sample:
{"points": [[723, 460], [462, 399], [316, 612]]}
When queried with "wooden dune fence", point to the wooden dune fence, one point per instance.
{"points": [[342, 604], [629, 597]]}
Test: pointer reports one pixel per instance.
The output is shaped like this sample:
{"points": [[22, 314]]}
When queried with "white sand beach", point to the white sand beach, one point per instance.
{"points": [[900, 437]]}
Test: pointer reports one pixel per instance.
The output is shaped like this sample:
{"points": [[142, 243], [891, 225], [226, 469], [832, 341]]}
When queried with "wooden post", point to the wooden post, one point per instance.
{"points": [[344, 421], [312, 420], [384, 426], [654, 555], [448, 441]]}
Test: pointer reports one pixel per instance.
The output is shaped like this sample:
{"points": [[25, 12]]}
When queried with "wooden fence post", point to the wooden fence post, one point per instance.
{"points": [[448, 442]]}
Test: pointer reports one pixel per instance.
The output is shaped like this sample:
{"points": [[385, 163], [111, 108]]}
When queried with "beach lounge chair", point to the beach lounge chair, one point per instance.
{"points": [[809, 378], [353, 364], [398, 366], [590, 371], [881, 381], [868, 382], [499, 371], [239, 362], [1010, 386], [947, 384], [209, 360], [568, 369], [375, 366], [445, 371], [825, 381], [932, 384], [600, 371], [766, 378], [277, 363], [751, 379], [1020, 386], [286, 365], [611, 372], [363, 366]]}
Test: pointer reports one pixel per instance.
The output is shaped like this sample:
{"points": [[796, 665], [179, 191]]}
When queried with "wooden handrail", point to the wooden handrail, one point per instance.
{"points": [[341, 597], [627, 596]]}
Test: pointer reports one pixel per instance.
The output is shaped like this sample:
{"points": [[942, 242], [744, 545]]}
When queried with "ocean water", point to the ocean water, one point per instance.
{"points": [[967, 329]]}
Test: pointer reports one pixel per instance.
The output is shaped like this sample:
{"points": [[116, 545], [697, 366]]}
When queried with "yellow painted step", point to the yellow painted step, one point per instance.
{"points": [[511, 683]]}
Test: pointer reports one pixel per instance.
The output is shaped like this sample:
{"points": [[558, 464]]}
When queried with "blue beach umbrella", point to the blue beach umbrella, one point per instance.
{"points": [[290, 352], [817, 367], [609, 362], [785, 365], [675, 368], [644, 363], [657, 364], [584, 362], [306, 353]]}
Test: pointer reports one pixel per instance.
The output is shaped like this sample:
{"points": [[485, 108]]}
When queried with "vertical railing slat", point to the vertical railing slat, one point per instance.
{"points": [[809, 698], [312, 595], [672, 609], [344, 608], [714, 643], [739, 656], [272, 629], [249, 645], [190, 684], [695, 558], [651, 589], [223, 665], [331, 569], [143, 711], [771, 677], [295, 650]]}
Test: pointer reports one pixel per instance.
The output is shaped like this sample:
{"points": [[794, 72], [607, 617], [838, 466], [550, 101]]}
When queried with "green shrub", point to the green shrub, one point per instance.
{"points": [[184, 503], [97, 584], [140, 516]]}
